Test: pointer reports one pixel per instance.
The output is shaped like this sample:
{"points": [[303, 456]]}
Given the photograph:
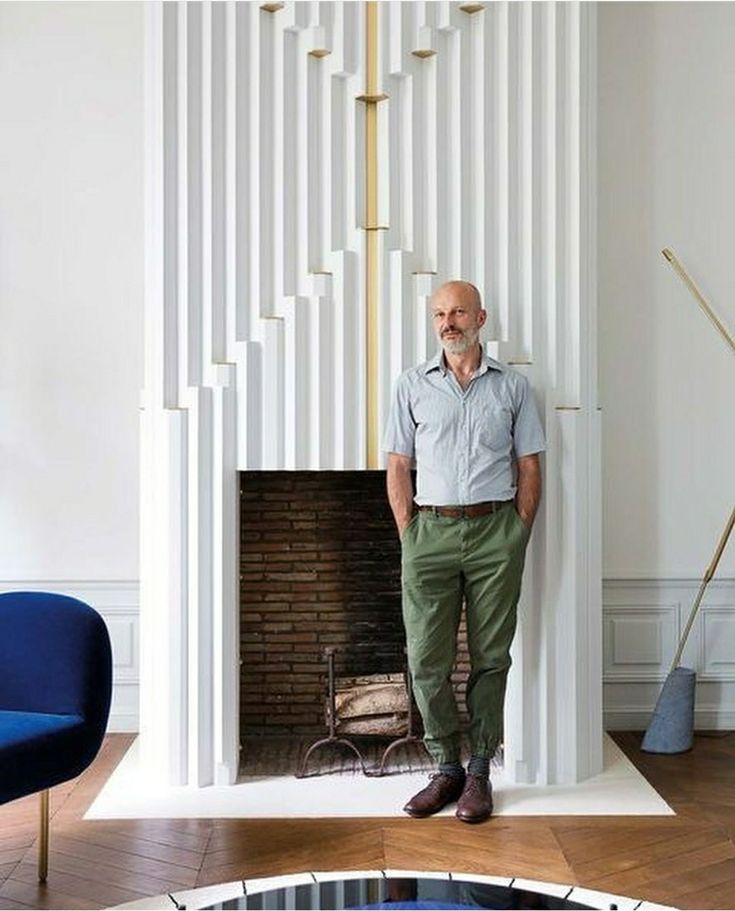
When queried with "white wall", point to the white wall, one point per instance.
{"points": [[666, 178], [71, 285], [666, 147]]}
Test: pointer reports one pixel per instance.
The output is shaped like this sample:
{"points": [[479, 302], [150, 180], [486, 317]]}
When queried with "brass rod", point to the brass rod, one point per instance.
{"points": [[684, 276], [709, 572], [43, 837]]}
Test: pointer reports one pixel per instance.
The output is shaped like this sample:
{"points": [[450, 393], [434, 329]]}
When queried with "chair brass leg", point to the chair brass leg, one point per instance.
{"points": [[43, 838]]}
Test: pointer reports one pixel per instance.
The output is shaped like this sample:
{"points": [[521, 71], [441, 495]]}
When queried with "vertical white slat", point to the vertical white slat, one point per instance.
{"points": [[297, 416], [250, 402], [168, 181], [193, 337], [465, 101], [235, 199], [218, 51], [225, 498], [249, 168], [163, 567], [290, 129], [488, 165], [500, 254], [515, 179], [199, 589], [225, 590], [321, 379], [325, 167], [449, 156], [273, 394], [269, 179], [317, 189], [205, 128], [574, 200], [477, 142], [280, 140], [567, 348], [341, 236], [522, 344], [159, 164], [549, 219], [182, 174], [424, 336], [592, 721]]}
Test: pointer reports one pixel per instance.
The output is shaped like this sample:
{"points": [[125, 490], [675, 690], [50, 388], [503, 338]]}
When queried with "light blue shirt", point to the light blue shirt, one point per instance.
{"points": [[464, 441]]}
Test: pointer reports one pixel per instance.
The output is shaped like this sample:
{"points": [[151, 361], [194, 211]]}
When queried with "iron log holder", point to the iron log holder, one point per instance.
{"points": [[333, 740]]}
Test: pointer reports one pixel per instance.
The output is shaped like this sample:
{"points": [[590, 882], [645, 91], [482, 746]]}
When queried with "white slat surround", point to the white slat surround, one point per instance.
{"points": [[256, 314]]}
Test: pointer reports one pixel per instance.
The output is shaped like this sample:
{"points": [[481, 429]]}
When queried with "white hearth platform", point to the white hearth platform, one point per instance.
{"points": [[619, 790]]}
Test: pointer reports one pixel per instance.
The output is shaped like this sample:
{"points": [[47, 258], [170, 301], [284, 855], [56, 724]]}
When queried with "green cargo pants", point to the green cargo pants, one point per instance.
{"points": [[445, 561]]}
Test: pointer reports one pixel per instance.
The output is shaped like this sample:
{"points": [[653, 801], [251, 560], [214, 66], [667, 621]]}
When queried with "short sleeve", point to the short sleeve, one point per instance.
{"points": [[528, 433], [401, 428]]}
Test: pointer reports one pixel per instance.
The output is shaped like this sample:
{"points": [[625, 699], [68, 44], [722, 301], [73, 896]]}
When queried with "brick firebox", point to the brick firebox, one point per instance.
{"points": [[320, 565]]}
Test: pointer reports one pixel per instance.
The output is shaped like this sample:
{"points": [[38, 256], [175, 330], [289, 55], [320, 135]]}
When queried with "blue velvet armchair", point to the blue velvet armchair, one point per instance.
{"points": [[55, 690]]}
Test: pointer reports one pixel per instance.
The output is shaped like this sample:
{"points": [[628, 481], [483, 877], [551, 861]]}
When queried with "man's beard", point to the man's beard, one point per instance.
{"points": [[466, 339]]}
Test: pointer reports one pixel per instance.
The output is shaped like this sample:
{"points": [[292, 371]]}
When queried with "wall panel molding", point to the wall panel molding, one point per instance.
{"points": [[642, 621]]}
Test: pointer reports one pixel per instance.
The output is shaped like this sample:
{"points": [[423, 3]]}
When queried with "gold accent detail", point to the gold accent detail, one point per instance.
{"points": [[520, 363], [684, 276], [271, 7], [320, 272], [472, 7], [372, 97], [424, 272], [424, 54], [43, 838], [708, 573], [320, 52]]}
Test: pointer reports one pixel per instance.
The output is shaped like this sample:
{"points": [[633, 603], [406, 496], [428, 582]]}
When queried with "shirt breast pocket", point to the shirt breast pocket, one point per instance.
{"points": [[495, 427]]}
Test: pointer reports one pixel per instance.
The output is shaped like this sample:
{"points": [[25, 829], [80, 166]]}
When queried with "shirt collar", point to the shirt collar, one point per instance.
{"points": [[486, 363]]}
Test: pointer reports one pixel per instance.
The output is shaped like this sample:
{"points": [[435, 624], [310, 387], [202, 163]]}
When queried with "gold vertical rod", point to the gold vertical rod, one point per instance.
{"points": [[43, 837], [372, 284], [698, 296]]}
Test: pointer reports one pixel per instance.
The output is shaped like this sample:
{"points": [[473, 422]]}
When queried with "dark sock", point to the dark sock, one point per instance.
{"points": [[480, 766], [453, 769]]}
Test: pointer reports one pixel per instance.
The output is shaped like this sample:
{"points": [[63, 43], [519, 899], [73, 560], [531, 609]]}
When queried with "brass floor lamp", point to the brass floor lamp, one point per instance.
{"points": [[671, 729]]}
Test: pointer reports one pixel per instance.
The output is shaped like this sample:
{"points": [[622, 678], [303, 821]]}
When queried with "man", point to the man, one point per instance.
{"points": [[468, 422]]}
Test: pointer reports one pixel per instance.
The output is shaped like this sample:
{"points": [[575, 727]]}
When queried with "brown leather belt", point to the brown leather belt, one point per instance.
{"points": [[461, 512]]}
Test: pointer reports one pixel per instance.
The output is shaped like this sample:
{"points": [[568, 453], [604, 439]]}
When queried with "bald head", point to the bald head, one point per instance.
{"points": [[458, 292], [457, 314]]}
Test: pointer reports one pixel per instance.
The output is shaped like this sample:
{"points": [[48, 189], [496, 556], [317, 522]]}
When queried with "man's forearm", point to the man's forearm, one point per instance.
{"points": [[400, 494], [528, 495]]}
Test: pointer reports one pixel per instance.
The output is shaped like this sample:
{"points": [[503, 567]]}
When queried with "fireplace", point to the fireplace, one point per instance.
{"points": [[272, 339], [320, 566]]}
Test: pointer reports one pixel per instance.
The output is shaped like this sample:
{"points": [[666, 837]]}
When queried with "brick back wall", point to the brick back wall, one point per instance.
{"points": [[320, 565]]}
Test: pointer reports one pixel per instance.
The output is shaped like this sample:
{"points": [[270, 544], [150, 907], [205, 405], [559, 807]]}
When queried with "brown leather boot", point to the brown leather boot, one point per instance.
{"points": [[476, 802], [441, 790]]}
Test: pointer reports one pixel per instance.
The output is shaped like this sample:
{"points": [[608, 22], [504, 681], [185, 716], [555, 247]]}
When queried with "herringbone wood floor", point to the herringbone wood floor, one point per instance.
{"points": [[687, 860]]}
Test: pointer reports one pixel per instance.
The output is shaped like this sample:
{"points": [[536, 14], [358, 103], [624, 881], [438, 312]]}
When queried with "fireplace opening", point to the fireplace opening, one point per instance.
{"points": [[320, 567]]}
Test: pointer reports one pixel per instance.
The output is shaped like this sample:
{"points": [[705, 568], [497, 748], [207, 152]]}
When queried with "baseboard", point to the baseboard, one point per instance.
{"points": [[118, 602]]}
